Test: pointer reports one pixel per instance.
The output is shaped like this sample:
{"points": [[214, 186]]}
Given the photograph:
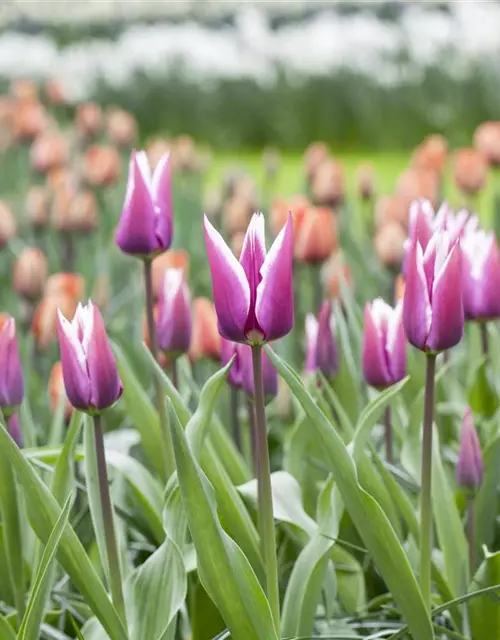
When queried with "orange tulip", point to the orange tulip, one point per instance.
{"points": [[316, 238], [391, 209], [55, 92], [49, 151], [334, 272], [8, 224], [172, 259], [121, 127], [57, 391], [365, 181], [487, 140], [399, 288], [37, 206], [418, 183], [83, 212], [431, 154], [328, 184], [30, 273], [88, 119], [62, 201], [69, 284], [389, 244], [44, 325], [101, 166], [156, 150], [470, 170], [24, 89], [297, 206], [29, 120], [205, 338], [316, 153]]}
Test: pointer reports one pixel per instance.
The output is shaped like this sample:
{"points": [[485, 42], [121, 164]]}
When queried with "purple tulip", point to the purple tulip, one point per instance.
{"points": [[269, 373], [173, 326], [11, 373], [480, 276], [470, 460], [253, 296], [145, 227], [433, 313], [14, 427], [384, 344], [89, 368], [321, 349], [229, 349]]}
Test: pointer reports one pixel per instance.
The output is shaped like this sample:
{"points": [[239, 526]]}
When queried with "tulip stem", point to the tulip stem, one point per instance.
{"points": [[426, 484], [115, 578], [265, 496], [153, 345], [175, 374], [252, 429], [471, 536], [485, 343], [388, 436], [234, 397]]}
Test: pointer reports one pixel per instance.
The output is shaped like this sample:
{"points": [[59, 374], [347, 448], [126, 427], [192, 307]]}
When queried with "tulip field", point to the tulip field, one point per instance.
{"points": [[253, 397]]}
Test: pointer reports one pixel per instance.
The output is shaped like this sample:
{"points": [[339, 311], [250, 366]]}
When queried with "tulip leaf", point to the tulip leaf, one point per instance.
{"points": [[486, 505], [43, 512], [368, 517], [351, 588], [485, 610], [224, 571], [6, 631], [62, 482], [30, 625], [483, 397]]}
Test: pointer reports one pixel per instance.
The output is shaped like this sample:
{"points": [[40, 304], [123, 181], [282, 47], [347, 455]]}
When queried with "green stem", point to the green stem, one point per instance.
{"points": [[175, 374], [235, 418], [388, 436], [160, 399], [471, 536], [426, 484], [265, 496], [115, 577], [485, 344]]}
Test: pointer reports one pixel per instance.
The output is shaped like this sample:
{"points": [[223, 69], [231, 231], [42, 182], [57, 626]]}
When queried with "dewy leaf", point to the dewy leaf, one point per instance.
{"points": [[224, 571], [43, 512], [30, 626], [370, 521]]}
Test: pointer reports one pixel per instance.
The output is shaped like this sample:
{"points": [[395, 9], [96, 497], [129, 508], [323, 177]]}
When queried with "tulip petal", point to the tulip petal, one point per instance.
{"points": [[105, 383], [447, 307], [162, 191], [274, 306], [174, 317], [136, 230], [229, 349], [230, 286], [311, 342], [396, 344], [375, 369], [327, 359], [11, 374], [417, 311], [74, 366]]}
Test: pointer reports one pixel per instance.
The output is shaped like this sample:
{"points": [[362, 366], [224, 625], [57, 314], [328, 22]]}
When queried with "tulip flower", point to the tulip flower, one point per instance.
{"points": [[470, 460], [321, 351], [480, 276], [89, 368], [269, 373], [145, 227], [11, 374], [173, 325], [30, 273], [229, 350], [433, 314], [384, 344], [316, 238], [205, 338], [253, 296]]}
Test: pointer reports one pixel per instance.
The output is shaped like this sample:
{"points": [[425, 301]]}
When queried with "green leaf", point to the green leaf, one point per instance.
{"points": [[371, 522], [485, 610], [486, 501], [483, 398], [155, 592], [30, 626], [223, 569], [6, 631], [351, 588], [43, 512], [63, 478], [448, 525]]}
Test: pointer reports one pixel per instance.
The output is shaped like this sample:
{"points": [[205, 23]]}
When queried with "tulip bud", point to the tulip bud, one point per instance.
{"points": [[480, 276], [55, 92], [205, 337], [335, 274], [431, 154], [321, 351], [433, 313], [384, 344], [391, 209], [83, 213], [365, 182], [470, 460], [389, 245], [14, 427], [23, 89], [88, 119], [145, 227], [487, 141], [173, 326], [30, 120], [171, 259], [37, 206], [70, 284], [470, 170], [297, 206], [89, 368], [101, 166], [269, 373], [418, 183], [253, 296], [121, 127], [227, 352], [316, 238], [316, 153], [8, 226], [11, 374], [30, 274], [328, 184], [57, 391], [49, 151]]}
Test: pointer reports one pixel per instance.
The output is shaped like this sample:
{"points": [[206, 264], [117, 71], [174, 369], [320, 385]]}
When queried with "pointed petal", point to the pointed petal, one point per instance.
{"points": [[136, 229], [227, 351], [447, 307], [375, 368], [417, 312], [11, 373], [470, 461], [274, 306], [105, 383], [229, 285], [396, 344], [162, 192], [74, 365], [311, 342], [326, 348]]}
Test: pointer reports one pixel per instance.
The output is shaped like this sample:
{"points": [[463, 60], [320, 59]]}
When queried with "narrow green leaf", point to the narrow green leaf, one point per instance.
{"points": [[30, 626], [223, 569], [371, 522], [6, 631], [63, 478], [43, 512], [486, 502], [485, 610]]}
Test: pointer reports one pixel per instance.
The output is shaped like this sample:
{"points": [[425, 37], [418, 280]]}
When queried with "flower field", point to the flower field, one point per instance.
{"points": [[250, 395]]}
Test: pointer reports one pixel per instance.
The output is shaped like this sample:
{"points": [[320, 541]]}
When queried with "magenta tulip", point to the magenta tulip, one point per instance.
{"points": [[89, 368], [173, 326], [321, 345], [384, 344], [11, 373], [269, 373], [480, 275], [253, 296], [145, 227], [470, 460], [433, 313], [228, 350]]}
